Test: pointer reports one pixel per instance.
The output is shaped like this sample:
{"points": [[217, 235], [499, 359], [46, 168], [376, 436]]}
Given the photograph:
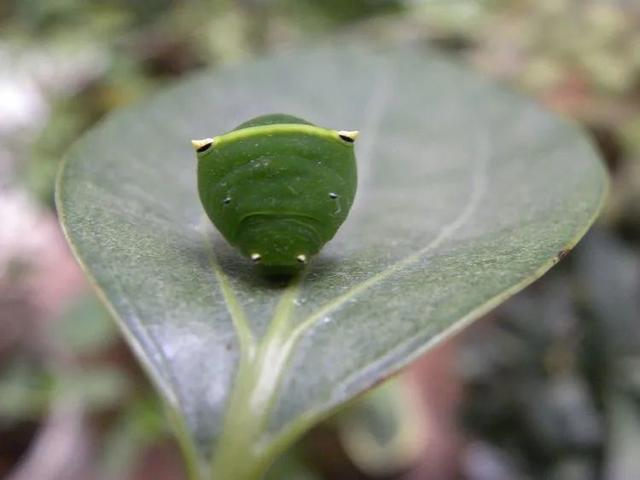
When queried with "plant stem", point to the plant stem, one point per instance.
{"points": [[240, 454]]}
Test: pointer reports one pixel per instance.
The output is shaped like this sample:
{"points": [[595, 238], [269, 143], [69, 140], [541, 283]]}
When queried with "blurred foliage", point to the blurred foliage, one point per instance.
{"points": [[25, 391], [383, 431], [84, 368], [552, 386], [292, 468], [138, 426], [85, 328]]}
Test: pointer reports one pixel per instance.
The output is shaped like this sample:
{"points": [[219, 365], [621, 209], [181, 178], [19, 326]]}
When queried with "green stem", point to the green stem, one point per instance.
{"points": [[240, 454]]}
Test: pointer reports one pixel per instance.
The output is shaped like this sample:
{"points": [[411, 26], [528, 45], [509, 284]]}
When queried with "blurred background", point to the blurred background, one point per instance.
{"points": [[545, 387]]}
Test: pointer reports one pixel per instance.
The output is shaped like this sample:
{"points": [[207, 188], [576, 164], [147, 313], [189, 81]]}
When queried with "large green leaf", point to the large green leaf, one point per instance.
{"points": [[467, 193]]}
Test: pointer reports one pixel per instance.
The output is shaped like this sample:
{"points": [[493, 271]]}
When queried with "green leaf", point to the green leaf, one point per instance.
{"points": [[467, 193]]}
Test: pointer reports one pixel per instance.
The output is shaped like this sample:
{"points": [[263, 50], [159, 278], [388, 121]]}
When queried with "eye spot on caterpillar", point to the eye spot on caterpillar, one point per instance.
{"points": [[333, 195], [227, 201], [202, 145], [348, 136]]}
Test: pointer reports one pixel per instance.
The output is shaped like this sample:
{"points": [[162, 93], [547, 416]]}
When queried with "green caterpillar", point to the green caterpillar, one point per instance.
{"points": [[277, 187]]}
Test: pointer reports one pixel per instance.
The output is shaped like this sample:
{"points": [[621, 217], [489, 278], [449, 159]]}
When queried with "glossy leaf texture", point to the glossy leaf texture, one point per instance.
{"points": [[467, 193]]}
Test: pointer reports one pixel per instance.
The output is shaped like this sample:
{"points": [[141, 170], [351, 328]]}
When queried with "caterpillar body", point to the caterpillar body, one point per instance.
{"points": [[277, 187]]}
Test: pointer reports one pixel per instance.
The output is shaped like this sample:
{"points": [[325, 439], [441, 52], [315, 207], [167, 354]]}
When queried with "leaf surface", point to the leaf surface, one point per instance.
{"points": [[467, 193]]}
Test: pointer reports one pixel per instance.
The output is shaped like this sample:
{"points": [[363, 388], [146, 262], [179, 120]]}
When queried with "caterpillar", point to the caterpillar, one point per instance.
{"points": [[277, 187]]}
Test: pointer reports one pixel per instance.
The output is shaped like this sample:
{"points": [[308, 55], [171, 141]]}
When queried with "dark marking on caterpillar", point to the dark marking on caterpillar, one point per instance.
{"points": [[204, 147]]}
